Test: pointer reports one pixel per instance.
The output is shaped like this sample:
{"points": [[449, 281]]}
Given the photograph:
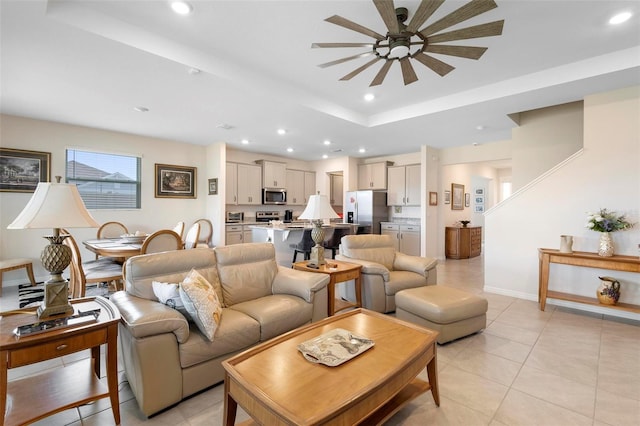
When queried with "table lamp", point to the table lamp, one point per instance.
{"points": [[55, 205], [317, 210]]}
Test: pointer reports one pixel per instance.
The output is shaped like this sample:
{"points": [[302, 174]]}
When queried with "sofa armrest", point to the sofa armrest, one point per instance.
{"points": [[417, 264], [368, 268], [145, 317], [298, 283]]}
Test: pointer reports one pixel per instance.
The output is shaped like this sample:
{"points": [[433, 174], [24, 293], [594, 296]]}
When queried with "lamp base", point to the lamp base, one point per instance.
{"points": [[317, 255], [56, 299]]}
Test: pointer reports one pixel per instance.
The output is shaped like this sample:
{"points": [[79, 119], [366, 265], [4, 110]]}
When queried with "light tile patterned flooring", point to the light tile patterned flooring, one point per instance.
{"points": [[557, 367]]}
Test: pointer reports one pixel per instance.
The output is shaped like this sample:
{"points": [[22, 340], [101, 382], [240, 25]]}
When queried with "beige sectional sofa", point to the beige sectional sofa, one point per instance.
{"points": [[166, 358]]}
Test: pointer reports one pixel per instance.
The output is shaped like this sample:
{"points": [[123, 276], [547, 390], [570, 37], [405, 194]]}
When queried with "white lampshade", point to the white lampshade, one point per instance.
{"points": [[54, 205], [318, 208]]}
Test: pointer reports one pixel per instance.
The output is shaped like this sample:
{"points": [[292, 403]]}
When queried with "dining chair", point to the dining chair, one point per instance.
{"points": [[206, 232], [179, 229], [304, 246], [103, 270], [111, 230], [193, 234], [162, 240]]}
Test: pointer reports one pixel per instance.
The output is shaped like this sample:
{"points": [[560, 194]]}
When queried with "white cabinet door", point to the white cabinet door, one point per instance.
{"points": [[309, 185], [231, 184], [246, 236], [274, 174], [379, 175], [295, 188], [412, 185], [393, 231], [249, 190], [337, 192], [364, 176], [410, 240], [396, 186]]}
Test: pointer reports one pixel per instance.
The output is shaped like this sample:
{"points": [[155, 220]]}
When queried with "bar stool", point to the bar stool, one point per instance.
{"points": [[333, 241], [303, 246], [11, 264]]}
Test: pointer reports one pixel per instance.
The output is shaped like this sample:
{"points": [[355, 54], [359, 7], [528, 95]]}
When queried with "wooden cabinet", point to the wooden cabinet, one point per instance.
{"points": [[462, 243], [406, 237], [373, 175], [243, 184], [337, 192], [274, 174], [403, 185], [301, 185]]}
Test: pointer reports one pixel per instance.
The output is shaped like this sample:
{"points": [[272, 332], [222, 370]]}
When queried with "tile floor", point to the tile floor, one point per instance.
{"points": [[557, 367]]}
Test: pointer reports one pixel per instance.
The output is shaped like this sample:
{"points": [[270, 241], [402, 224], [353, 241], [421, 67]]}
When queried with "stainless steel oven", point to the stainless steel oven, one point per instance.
{"points": [[274, 196]]}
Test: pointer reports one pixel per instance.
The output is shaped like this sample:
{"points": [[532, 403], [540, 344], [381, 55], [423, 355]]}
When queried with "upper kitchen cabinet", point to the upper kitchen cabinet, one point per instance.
{"points": [[242, 184], [373, 175], [301, 185], [274, 174], [403, 185]]}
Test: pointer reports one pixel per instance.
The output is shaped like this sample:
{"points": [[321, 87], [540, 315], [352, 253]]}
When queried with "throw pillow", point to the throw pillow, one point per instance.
{"points": [[202, 303], [169, 294]]}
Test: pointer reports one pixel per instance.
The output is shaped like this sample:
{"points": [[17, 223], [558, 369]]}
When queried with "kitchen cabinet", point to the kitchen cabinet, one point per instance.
{"points": [[337, 192], [301, 185], [309, 185], [403, 185], [462, 243], [237, 234], [274, 174], [373, 175], [406, 237], [242, 185]]}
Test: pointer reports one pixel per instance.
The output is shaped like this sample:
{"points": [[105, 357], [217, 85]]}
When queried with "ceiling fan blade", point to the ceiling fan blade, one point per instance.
{"points": [[348, 58], [469, 52], [477, 31], [436, 65], [388, 13], [381, 74], [425, 10], [360, 69], [350, 25], [468, 11], [408, 73], [317, 45]]}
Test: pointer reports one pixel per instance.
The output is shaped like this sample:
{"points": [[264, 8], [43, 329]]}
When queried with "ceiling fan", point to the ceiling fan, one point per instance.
{"points": [[397, 43]]}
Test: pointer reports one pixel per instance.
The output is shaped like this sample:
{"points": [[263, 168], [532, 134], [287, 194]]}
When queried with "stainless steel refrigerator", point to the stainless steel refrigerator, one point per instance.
{"points": [[367, 209]]}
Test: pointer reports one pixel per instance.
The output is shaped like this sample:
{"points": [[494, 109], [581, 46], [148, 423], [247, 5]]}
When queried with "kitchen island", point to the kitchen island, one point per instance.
{"points": [[285, 234]]}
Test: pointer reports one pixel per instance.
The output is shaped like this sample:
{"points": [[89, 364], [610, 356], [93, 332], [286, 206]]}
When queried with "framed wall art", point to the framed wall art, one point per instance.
{"points": [[213, 186], [22, 170], [479, 208], [457, 196], [433, 198], [467, 199], [447, 196], [479, 191], [175, 181]]}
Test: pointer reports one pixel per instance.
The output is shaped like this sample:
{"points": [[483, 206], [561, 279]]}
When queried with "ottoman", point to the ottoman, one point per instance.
{"points": [[453, 313]]}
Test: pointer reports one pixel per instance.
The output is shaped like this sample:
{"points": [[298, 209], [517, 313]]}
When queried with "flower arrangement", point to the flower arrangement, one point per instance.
{"points": [[606, 221]]}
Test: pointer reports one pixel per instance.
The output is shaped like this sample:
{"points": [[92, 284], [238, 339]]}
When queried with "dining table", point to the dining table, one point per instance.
{"points": [[113, 247]]}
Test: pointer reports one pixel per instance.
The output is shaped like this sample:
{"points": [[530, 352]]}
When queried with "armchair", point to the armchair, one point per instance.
{"points": [[385, 271]]}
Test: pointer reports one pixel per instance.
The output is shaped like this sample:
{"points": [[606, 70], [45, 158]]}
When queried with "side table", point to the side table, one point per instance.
{"points": [[342, 272], [35, 397]]}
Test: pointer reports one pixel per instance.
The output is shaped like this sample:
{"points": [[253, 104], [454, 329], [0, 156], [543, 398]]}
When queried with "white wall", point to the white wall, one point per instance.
{"points": [[606, 174]]}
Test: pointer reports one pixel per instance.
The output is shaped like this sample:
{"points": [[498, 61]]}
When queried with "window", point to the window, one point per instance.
{"points": [[105, 181]]}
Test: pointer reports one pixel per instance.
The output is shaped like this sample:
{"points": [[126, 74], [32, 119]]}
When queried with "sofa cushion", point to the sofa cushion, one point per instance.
{"points": [[373, 248], [201, 302], [277, 314], [246, 271], [400, 280], [236, 331], [169, 294]]}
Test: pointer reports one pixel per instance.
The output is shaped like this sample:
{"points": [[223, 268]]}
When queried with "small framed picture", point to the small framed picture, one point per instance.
{"points": [[457, 201], [467, 199], [479, 199], [21, 170], [433, 198], [175, 181], [479, 208], [447, 196], [213, 186], [479, 191]]}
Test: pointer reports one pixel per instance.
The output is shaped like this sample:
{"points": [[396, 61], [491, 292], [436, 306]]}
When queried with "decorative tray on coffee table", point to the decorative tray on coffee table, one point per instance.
{"points": [[334, 347]]}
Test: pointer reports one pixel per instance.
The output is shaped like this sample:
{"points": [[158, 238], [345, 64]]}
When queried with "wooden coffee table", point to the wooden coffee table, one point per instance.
{"points": [[276, 385]]}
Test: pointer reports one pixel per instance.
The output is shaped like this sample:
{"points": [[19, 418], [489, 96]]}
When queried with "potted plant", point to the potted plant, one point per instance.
{"points": [[606, 222]]}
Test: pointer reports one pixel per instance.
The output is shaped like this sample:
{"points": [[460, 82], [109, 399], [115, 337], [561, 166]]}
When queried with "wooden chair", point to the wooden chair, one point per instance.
{"points": [[111, 230], [162, 240], [206, 232], [103, 270], [193, 234], [179, 229], [12, 264]]}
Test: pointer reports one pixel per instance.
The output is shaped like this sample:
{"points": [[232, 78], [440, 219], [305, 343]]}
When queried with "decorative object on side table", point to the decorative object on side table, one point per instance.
{"points": [[609, 291], [317, 210], [464, 223], [566, 244], [605, 222], [55, 205]]}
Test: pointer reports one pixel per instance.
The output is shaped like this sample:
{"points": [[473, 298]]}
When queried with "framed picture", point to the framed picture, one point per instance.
{"points": [[479, 191], [467, 199], [213, 186], [479, 199], [175, 181], [447, 196], [479, 208], [21, 170], [457, 197], [433, 198]]}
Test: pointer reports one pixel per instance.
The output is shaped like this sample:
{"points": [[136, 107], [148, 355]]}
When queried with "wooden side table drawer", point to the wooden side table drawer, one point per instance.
{"points": [[57, 348]]}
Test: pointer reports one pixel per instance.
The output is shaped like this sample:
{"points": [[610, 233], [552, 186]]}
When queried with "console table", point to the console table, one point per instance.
{"points": [[587, 260]]}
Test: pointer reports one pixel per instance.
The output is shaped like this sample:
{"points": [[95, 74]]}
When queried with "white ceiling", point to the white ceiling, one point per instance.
{"points": [[91, 62]]}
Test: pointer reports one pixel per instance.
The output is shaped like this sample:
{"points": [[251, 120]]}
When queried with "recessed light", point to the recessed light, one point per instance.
{"points": [[181, 7], [369, 97], [361, 150], [475, 144], [620, 18], [289, 149], [224, 126], [141, 109], [327, 142], [245, 141], [282, 131], [480, 127], [325, 156]]}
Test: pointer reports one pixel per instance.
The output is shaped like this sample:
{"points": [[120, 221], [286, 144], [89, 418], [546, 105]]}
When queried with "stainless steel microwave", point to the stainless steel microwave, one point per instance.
{"points": [[274, 196]]}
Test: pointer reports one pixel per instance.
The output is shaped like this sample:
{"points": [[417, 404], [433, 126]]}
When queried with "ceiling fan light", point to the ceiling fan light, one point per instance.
{"points": [[181, 7], [620, 18], [399, 49]]}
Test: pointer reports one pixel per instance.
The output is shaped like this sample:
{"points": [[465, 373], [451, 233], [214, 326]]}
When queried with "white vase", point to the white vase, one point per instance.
{"points": [[606, 245], [566, 244]]}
